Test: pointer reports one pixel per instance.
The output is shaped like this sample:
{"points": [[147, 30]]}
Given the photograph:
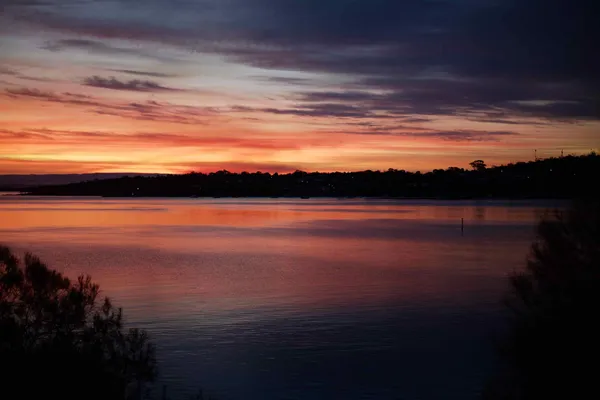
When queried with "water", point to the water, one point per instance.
{"points": [[295, 299]]}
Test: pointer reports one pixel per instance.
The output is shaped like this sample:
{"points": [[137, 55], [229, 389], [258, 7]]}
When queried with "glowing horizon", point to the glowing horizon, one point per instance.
{"points": [[99, 86]]}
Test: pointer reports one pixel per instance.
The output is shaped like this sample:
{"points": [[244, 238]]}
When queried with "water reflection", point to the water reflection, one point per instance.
{"points": [[286, 298]]}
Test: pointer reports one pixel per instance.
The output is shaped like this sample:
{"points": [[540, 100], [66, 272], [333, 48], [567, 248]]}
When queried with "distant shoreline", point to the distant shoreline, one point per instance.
{"points": [[553, 178], [451, 199]]}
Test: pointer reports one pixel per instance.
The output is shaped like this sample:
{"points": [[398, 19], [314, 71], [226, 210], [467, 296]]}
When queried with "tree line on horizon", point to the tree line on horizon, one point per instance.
{"points": [[561, 177]]}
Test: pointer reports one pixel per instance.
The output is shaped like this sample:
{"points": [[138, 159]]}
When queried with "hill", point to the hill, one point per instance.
{"points": [[19, 182]]}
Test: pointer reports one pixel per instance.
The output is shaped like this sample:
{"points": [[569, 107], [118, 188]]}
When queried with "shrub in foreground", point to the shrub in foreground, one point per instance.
{"points": [[553, 346], [59, 340]]}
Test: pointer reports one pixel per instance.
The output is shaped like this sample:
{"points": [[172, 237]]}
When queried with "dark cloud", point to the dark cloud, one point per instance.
{"points": [[12, 72], [135, 85], [64, 98], [475, 58], [144, 73], [415, 120], [149, 110], [35, 93], [461, 135], [464, 135], [7, 71], [474, 98], [35, 78], [504, 121], [100, 47], [345, 96], [8, 3], [442, 57], [322, 110], [164, 112], [284, 80], [90, 45]]}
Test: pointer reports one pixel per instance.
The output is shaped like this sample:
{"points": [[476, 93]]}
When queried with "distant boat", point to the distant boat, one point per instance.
{"points": [[304, 197]]}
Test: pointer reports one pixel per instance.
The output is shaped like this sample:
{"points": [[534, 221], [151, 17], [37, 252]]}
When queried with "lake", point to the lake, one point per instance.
{"points": [[295, 299]]}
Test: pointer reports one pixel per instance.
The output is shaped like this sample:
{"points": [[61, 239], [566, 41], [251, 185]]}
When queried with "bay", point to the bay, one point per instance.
{"points": [[296, 298]]}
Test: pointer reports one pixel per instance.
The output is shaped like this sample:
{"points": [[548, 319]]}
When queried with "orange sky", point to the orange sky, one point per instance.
{"points": [[76, 100]]}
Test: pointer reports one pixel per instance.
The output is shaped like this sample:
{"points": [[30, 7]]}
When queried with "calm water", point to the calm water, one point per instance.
{"points": [[295, 299]]}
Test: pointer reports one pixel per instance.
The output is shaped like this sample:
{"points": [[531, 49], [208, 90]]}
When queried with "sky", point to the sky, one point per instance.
{"points": [[172, 86]]}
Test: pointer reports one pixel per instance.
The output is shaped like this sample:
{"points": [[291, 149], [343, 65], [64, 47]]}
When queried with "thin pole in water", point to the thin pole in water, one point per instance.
{"points": [[462, 226]]}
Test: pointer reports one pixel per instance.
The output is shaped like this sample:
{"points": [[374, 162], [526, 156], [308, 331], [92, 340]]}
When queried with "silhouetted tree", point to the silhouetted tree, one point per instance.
{"points": [[478, 165], [58, 341], [553, 347]]}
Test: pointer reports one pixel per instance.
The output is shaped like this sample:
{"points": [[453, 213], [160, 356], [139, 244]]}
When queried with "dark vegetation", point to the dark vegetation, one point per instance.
{"points": [[564, 177], [59, 341], [553, 346]]}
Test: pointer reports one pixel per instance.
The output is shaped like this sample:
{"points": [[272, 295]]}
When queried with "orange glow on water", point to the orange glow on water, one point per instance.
{"points": [[279, 250]]}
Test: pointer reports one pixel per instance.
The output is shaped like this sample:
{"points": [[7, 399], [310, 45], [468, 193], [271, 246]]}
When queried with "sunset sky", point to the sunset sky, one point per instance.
{"points": [[279, 85]]}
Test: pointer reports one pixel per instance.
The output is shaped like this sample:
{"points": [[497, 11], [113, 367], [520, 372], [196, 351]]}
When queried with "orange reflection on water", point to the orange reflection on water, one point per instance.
{"points": [[16, 212], [117, 214], [185, 257]]}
